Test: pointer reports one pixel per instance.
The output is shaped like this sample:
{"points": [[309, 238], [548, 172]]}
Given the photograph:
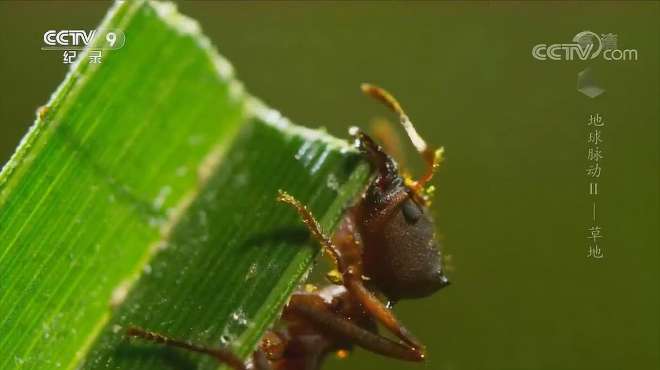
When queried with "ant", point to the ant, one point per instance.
{"points": [[385, 244]]}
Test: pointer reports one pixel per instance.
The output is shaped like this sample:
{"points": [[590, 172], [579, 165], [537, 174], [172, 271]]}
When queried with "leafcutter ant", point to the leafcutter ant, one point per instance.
{"points": [[385, 244]]}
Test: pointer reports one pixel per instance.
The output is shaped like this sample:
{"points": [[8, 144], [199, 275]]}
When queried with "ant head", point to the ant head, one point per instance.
{"points": [[402, 255], [406, 261]]}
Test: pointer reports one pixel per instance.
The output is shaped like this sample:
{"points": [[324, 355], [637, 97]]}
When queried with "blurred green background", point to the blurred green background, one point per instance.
{"points": [[512, 202]]}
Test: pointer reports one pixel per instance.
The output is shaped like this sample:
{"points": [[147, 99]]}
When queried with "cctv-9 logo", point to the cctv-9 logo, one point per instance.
{"points": [[106, 39]]}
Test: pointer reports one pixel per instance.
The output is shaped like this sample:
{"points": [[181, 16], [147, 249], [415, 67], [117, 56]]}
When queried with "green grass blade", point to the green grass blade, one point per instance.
{"points": [[146, 195]]}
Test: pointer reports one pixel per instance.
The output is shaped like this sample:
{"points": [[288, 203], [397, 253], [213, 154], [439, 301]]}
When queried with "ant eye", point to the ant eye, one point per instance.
{"points": [[411, 211]]}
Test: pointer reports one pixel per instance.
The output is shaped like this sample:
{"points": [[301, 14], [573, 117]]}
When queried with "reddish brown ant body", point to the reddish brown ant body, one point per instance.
{"points": [[386, 243]]}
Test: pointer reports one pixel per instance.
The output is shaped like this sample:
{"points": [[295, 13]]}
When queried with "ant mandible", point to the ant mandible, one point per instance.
{"points": [[385, 243]]}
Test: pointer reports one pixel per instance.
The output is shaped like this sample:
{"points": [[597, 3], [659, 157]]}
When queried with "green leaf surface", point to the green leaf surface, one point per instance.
{"points": [[145, 195]]}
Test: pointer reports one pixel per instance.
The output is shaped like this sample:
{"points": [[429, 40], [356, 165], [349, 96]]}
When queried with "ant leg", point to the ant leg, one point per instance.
{"points": [[223, 355], [351, 271], [314, 309], [314, 228], [382, 314]]}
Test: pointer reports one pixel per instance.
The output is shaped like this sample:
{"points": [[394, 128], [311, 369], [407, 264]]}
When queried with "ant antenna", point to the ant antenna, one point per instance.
{"points": [[431, 157]]}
